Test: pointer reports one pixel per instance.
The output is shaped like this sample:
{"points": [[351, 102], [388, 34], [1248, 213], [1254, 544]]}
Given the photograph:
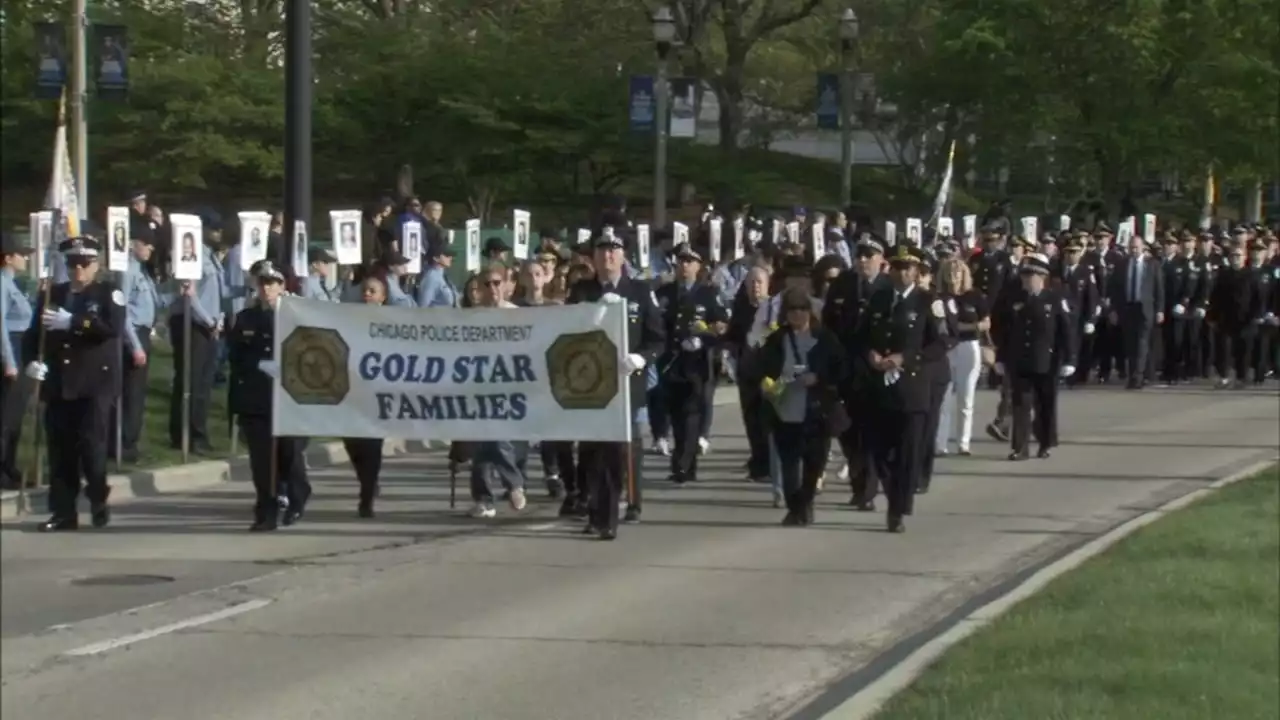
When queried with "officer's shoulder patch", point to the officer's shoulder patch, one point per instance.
{"points": [[939, 311], [117, 297]]}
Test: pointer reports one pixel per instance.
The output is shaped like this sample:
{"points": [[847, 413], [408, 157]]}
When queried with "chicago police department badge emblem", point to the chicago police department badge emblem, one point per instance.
{"points": [[313, 366], [584, 370]]}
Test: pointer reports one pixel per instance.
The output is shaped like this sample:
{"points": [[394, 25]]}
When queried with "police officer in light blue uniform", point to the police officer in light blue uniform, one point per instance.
{"points": [[395, 264], [203, 299], [142, 304], [16, 313], [315, 286], [436, 289]]}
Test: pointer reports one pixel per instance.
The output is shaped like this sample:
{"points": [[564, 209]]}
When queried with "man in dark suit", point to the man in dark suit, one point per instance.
{"points": [[1137, 306], [609, 463]]}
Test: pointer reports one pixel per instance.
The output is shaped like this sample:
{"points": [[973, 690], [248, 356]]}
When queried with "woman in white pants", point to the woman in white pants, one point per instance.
{"points": [[972, 321]]}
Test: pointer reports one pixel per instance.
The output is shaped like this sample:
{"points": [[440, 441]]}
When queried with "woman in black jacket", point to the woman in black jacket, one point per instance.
{"points": [[802, 365]]}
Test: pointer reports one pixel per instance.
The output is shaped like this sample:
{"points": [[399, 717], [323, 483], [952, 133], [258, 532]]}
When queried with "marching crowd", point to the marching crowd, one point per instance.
{"points": [[835, 337]]}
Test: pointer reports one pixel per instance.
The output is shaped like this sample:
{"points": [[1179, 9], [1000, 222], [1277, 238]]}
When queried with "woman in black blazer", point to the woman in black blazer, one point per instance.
{"points": [[802, 365]]}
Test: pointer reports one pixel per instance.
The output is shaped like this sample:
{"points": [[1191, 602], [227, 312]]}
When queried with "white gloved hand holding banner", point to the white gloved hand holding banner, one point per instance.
{"points": [[58, 319], [1067, 371], [1089, 328], [633, 363], [270, 367], [37, 371], [692, 344]]}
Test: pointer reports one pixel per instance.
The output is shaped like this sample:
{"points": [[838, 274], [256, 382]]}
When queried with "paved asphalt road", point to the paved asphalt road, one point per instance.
{"points": [[707, 610]]}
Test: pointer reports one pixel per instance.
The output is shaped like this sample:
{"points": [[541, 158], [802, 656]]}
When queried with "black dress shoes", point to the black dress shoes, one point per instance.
{"points": [[632, 516], [101, 515], [608, 534], [895, 524], [59, 524], [263, 525], [1017, 456], [365, 509], [1043, 453]]}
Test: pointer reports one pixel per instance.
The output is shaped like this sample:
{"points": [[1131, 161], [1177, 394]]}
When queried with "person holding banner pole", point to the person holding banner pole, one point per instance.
{"points": [[15, 314], [366, 453], [194, 327], [609, 464], [80, 321], [142, 303], [254, 370]]}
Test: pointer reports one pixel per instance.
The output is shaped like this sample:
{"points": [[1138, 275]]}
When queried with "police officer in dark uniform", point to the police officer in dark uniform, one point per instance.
{"points": [[1213, 260], [905, 330], [1077, 280], [843, 313], [279, 473], [1009, 289], [1108, 348], [939, 369], [80, 376], [693, 320], [1037, 347], [1186, 294], [606, 465]]}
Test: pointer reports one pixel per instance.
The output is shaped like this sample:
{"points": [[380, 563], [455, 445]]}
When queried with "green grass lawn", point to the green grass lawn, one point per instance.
{"points": [[153, 449], [1179, 621]]}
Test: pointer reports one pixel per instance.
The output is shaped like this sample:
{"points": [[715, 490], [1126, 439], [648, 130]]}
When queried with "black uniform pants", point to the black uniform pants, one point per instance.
{"points": [[656, 402], [687, 407], [1208, 349], [1260, 357], [859, 444], [204, 365], [366, 459], [76, 432], [15, 393], [1111, 346], [937, 394], [802, 457], [607, 469], [1136, 328], [1232, 350], [1088, 353], [1181, 348], [133, 394], [1035, 410], [557, 462], [902, 440], [751, 401], [275, 475]]}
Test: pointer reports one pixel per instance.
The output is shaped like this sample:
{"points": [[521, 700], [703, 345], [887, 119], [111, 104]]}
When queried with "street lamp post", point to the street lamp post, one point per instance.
{"points": [[297, 127], [664, 34], [848, 44]]}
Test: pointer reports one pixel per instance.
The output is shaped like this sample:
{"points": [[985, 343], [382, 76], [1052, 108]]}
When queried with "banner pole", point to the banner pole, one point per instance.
{"points": [[186, 380]]}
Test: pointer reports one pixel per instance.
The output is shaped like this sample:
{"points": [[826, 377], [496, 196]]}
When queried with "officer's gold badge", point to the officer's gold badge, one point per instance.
{"points": [[584, 370], [313, 366]]}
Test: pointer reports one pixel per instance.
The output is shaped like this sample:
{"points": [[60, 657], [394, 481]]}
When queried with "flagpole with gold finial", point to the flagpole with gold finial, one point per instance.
{"points": [[37, 435]]}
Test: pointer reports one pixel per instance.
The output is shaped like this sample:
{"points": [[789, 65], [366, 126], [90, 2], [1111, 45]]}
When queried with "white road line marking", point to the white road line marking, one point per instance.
{"points": [[223, 614], [544, 526]]}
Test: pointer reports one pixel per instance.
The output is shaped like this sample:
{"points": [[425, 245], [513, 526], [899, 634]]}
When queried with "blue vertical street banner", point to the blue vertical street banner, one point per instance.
{"points": [[641, 106], [828, 106], [111, 61], [51, 51]]}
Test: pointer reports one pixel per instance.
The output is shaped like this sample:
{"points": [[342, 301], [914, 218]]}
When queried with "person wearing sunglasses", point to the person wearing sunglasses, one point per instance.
{"points": [[74, 352]]}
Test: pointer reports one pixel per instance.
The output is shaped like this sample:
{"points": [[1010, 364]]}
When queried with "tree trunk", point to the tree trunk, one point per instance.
{"points": [[730, 95]]}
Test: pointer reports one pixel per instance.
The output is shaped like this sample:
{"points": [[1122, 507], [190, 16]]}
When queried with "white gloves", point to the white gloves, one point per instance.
{"points": [[692, 344], [1067, 371], [633, 363], [270, 367], [611, 299], [37, 371], [999, 368], [56, 319], [1179, 310], [1089, 328], [892, 376], [1200, 312]]}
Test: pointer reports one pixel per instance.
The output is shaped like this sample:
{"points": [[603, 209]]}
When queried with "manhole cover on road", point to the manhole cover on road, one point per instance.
{"points": [[122, 580]]}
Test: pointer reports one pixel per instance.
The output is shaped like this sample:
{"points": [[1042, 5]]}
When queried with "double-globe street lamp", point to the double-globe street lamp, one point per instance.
{"points": [[664, 35], [848, 46]]}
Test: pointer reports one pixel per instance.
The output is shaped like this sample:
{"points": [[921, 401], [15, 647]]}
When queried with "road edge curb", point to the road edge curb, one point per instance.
{"points": [[868, 701], [175, 479]]}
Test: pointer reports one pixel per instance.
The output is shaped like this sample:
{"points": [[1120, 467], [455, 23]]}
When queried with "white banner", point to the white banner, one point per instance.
{"points": [[679, 233], [970, 230], [411, 234], [118, 231], [255, 228], [642, 246], [540, 373], [915, 231], [890, 233], [345, 226], [301, 266], [946, 228], [819, 239], [42, 241], [739, 230], [717, 237]]}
